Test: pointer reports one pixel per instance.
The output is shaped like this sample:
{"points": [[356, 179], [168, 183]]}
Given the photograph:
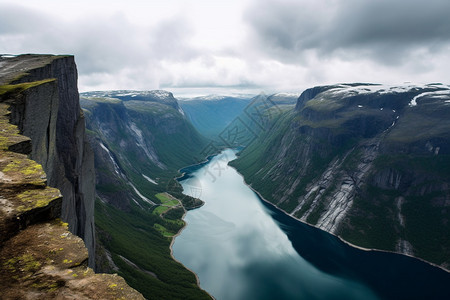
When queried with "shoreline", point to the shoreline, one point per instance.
{"points": [[173, 241], [340, 238]]}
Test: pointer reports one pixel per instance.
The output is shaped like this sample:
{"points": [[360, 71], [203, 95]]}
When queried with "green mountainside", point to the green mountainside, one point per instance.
{"points": [[368, 163], [139, 144], [211, 114]]}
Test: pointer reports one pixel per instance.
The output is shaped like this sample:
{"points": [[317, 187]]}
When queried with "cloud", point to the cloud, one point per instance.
{"points": [[110, 50], [386, 31], [283, 45]]}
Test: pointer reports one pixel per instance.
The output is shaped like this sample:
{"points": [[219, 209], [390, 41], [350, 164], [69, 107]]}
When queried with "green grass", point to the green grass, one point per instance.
{"points": [[163, 230], [160, 210], [144, 239], [167, 200]]}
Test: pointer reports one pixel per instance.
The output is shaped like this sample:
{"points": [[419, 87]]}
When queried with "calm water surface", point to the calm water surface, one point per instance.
{"points": [[243, 248]]}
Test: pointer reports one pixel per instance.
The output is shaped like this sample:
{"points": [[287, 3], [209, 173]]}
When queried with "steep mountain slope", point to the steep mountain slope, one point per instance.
{"points": [[242, 125], [140, 143], [211, 114], [369, 163]]}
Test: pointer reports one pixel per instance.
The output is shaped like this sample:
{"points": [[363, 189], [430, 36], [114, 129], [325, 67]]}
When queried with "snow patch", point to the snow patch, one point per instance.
{"points": [[344, 90], [440, 94], [136, 131], [132, 94], [141, 144], [140, 195], [160, 94], [294, 95], [116, 166], [149, 179]]}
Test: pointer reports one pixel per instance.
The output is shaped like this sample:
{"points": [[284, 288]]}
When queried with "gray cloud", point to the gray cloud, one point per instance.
{"points": [[106, 47], [282, 45], [387, 31]]}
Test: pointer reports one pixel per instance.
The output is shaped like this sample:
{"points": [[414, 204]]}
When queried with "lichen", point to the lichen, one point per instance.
{"points": [[10, 89], [25, 166], [32, 199], [25, 263]]}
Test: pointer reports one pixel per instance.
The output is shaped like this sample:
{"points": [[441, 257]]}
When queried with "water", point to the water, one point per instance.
{"points": [[243, 248]]}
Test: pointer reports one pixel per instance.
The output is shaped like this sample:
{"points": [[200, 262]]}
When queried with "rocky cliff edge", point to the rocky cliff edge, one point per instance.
{"points": [[39, 257]]}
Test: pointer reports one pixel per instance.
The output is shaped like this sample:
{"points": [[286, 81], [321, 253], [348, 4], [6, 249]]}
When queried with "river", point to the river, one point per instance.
{"points": [[244, 248]]}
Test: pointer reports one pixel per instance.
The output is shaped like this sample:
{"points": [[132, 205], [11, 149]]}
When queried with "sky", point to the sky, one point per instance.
{"points": [[207, 46]]}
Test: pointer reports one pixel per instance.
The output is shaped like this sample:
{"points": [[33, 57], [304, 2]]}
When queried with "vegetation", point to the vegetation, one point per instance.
{"points": [[128, 225], [133, 235], [405, 190], [10, 90]]}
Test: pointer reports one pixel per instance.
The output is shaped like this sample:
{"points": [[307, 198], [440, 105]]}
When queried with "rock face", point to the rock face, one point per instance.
{"points": [[39, 257], [140, 140], [47, 110], [369, 163]]}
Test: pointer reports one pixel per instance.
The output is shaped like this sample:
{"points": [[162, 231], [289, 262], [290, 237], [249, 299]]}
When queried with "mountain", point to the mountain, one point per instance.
{"points": [[369, 163], [140, 141], [211, 114]]}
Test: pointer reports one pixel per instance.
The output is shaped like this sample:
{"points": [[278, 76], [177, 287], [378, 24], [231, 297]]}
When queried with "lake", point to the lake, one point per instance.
{"points": [[244, 248]]}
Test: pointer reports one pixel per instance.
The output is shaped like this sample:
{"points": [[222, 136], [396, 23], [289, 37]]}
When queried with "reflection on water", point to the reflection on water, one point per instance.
{"points": [[243, 248]]}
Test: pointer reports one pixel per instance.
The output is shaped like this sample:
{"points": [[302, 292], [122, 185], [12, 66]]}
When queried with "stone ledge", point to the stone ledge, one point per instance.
{"points": [[46, 261]]}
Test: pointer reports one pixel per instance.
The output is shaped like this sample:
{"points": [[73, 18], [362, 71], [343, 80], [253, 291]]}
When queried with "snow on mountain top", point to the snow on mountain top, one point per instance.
{"points": [[440, 94], [161, 94], [296, 95], [382, 88], [210, 97], [216, 97]]}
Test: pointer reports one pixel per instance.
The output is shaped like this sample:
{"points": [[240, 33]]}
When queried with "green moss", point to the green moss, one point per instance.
{"points": [[24, 263], [10, 89], [30, 264], [32, 199], [26, 167], [48, 286], [3, 143]]}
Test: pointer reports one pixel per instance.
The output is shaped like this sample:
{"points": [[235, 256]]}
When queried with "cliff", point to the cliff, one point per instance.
{"points": [[42, 131], [49, 113], [368, 163]]}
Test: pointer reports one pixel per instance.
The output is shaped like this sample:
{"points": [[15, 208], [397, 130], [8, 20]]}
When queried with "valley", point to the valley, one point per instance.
{"points": [[341, 158]]}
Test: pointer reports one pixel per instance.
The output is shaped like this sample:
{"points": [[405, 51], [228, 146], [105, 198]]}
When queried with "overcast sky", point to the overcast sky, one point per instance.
{"points": [[247, 45]]}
